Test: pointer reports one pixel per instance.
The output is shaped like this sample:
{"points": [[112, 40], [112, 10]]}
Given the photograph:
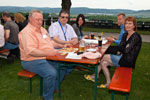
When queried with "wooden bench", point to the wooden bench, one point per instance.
{"points": [[121, 81], [3, 53], [30, 75], [4, 50]]}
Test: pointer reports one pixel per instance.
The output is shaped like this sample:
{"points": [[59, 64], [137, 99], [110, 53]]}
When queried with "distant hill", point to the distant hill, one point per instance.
{"points": [[77, 10], [99, 11], [141, 13]]}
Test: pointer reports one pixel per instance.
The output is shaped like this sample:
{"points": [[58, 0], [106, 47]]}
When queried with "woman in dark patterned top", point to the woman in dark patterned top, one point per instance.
{"points": [[126, 53], [78, 25]]}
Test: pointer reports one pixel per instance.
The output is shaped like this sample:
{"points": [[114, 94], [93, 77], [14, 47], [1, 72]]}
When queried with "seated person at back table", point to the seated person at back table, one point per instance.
{"points": [[35, 44], [78, 26], [61, 32], [120, 21], [125, 55], [11, 37]]}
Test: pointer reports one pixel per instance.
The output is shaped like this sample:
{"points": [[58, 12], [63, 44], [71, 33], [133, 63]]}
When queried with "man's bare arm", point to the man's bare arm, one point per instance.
{"points": [[7, 33], [43, 53]]}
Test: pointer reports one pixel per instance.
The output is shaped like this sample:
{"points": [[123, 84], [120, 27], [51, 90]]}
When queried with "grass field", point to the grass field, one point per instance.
{"points": [[75, 86]]}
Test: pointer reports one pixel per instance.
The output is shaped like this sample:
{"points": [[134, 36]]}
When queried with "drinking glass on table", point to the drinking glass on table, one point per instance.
{"points": [[92, 35], [99, 36], [99, 42], [100, 39], [82, 46]]}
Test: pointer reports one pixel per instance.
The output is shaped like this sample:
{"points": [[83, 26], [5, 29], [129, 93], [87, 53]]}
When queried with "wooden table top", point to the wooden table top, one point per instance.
{"points": [[59, 57]]}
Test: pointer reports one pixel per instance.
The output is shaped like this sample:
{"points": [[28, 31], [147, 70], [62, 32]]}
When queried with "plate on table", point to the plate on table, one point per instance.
{"points": [[91, 55], [69, 49], [64, 51]]}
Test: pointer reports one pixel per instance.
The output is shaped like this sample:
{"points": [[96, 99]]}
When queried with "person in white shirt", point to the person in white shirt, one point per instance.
{"points": [[61, 32], [2, 39]]}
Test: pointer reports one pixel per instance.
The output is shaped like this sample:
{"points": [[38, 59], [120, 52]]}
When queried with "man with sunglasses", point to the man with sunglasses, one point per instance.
{"points": [[61, 32]]}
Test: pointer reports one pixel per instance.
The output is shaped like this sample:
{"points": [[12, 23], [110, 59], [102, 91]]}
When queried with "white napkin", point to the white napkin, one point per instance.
{"points": [[72, 55], [90, 41], [104, 41]]}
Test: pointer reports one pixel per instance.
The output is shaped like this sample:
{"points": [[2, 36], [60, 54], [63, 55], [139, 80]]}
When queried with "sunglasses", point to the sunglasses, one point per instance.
{"points": [[64, 17]]}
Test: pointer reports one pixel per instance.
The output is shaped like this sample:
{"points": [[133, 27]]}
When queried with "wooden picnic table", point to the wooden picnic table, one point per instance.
{"points": [[80, 63]]}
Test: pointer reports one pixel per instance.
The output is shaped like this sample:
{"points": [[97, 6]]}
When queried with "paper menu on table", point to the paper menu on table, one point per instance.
{"points": [[72, 55], [104, 41]]}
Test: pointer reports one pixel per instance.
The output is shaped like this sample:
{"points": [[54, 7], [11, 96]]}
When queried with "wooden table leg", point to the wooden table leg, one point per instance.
{"points": [[95, 88]]}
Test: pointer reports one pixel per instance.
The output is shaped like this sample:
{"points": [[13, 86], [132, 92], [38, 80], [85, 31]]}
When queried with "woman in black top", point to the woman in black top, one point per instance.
{"points": [[126, 53]]}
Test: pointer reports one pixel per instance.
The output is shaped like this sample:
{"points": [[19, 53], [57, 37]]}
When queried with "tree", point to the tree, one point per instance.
{"points": [[66, 5]]}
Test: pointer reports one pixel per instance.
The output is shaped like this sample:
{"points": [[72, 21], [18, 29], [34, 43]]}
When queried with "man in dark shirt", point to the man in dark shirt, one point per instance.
{"points": [[11, 31]]}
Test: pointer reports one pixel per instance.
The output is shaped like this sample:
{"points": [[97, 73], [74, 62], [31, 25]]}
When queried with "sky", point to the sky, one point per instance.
{"points": [[106, 4]]}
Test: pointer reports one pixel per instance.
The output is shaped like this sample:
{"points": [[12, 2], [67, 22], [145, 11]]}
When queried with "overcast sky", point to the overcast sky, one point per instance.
{"points": [[108, 4]]}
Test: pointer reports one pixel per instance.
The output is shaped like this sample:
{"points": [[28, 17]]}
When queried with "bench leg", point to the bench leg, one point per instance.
{"points": [[41, 86], [30, 85], [113, 93], [127, 96]]}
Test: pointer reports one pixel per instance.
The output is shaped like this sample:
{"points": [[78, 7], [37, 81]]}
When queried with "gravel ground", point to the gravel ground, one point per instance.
{"points": [[145, 38]]}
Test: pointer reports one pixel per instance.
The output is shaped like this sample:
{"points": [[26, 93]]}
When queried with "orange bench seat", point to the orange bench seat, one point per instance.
{"points": [[4, 50], [30, 75], [121, 80], [26, 73]]}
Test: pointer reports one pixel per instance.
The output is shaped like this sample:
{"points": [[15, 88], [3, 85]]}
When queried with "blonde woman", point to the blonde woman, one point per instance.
{"points": [[20, 20]]}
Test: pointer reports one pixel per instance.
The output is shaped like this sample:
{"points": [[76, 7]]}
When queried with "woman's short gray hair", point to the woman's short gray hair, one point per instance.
{"points": [[34, 11]]}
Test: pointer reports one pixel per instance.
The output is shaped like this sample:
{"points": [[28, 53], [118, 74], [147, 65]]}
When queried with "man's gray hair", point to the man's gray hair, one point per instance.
{"points": [[34, 11]]}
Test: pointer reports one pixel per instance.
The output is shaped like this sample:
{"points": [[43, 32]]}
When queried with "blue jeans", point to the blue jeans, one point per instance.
{"points": [[69, 70], [115, 59], [10, 46], [48, 71]]}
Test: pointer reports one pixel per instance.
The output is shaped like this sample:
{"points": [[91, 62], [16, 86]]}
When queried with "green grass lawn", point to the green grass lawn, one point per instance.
{"points": [[75, 86]]}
